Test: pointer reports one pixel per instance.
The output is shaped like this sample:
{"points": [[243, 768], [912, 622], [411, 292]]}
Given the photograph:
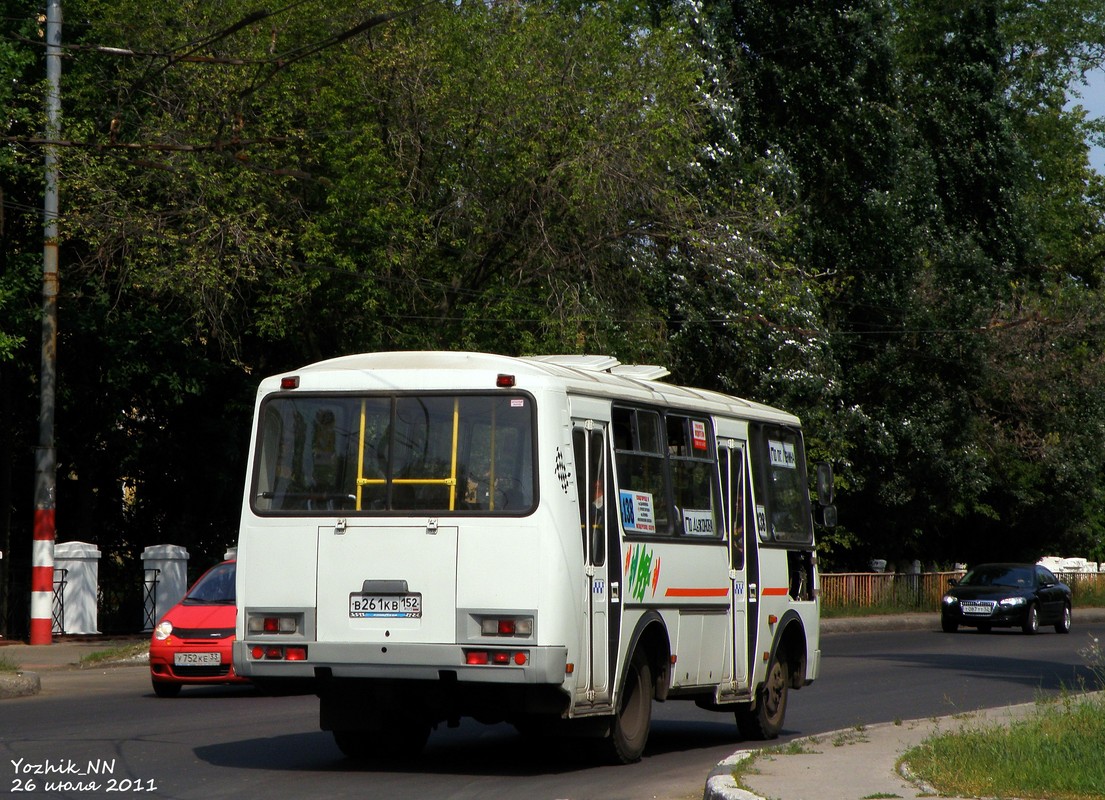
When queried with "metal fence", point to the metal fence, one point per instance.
{"points": [[120, 602], [123, 604], [918, 591]]}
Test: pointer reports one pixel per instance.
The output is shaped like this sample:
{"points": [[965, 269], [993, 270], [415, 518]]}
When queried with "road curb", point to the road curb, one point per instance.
{"points": [[720, 784], [19, 684]]}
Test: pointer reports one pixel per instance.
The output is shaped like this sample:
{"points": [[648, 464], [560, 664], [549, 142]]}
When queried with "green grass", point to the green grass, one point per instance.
{"points": [[115, 655], [746, 766], [7, 665], [1054, 754]]}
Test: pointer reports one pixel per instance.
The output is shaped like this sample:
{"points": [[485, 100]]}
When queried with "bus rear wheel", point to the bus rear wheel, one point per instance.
{"points": [[633, 717], [765, 720]]}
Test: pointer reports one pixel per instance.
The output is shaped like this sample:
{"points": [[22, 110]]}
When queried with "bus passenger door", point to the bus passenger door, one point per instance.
{"points": [[589, 444], [732, 465]]}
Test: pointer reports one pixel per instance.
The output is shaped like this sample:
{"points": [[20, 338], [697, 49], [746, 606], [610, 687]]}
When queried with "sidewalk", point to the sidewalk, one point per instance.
{"points": [[854, 763], [850, 764], [64, 653]]}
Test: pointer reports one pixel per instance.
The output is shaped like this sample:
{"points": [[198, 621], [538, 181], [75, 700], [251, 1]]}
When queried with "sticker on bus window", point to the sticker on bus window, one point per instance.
{"points": [[698, 434], [782, 454], [761, 522], [517, 402], [637, 512], [698, 522]]}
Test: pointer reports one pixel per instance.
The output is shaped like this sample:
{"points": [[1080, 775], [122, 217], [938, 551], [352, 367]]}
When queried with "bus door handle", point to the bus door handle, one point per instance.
{"points": [[615, 592], [752, 593]]}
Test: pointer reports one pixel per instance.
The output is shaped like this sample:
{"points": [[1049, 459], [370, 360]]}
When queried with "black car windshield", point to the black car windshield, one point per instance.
{"points": [[214, 588], [998, 576]]}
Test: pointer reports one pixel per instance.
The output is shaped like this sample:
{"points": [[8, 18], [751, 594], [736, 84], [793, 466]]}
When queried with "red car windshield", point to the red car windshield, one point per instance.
{"points": [[216, 587]]}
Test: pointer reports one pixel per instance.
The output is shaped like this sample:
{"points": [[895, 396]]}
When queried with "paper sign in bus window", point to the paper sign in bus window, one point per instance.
{"points": [[761, 522], [698, 522], [782, 454], [638, 515], [698, 434]]}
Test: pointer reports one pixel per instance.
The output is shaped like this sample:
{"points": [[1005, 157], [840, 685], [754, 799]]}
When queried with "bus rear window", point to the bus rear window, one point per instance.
{"points": [[393, 454]]}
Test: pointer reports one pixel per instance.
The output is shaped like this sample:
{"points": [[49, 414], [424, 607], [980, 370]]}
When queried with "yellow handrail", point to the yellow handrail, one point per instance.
{"points": [[451, 481], [360, 458], [453, 460]]}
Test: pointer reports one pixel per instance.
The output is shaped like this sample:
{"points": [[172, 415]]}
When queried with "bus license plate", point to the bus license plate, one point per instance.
{"points": [[385, 605], [197, 659]]}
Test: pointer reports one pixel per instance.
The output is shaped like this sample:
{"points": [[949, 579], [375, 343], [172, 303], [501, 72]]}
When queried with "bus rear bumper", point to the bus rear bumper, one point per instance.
{"points": [[417, 662]]}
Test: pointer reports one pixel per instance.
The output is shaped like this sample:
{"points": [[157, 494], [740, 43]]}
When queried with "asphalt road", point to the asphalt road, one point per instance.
{"points": [[234, 742]]}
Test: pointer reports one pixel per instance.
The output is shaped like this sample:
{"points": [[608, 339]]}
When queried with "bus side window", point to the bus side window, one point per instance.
{"points": [[642, 472], [731, 469], [590, 452], [692, 475], [579, 447]]}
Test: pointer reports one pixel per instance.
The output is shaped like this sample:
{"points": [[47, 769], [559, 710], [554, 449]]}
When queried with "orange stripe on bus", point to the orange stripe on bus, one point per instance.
{"points": [[776, 591], [674, 592]]}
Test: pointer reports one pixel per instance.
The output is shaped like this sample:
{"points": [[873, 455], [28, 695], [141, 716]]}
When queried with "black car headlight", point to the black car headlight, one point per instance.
{"points": [[1013, 602], [950, 600]]}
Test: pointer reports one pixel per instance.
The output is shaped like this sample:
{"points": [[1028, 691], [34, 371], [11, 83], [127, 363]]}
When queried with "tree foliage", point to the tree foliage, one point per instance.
{"points": [[878, 215]]}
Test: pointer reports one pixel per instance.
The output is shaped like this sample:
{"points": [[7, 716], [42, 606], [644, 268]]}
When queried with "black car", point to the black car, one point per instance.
{"points": [[1007, 596]]}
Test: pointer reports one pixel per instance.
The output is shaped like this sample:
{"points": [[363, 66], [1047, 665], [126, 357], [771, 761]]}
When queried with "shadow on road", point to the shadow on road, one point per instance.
{"points": [[471, 749]]}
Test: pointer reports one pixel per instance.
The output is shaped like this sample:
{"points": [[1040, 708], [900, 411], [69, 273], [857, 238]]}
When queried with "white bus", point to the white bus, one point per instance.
{"points": [[553, 541]]}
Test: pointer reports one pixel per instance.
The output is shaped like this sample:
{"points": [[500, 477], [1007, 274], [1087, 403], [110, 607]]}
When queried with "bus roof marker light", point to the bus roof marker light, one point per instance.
{"points": [[289, 382], [504, 381]]}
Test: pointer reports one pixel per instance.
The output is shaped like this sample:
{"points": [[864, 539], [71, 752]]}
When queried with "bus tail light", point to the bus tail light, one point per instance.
{"points": [[479, 658], [507, 626], [275, 653], [264, 623]]}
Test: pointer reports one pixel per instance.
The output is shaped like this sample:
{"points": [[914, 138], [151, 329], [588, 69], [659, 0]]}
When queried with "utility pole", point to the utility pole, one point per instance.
{"points": [[42, 559]]}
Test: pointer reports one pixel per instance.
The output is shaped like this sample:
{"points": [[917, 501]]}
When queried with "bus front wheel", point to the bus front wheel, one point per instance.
{"points": [[765, 719], [634, 713]]}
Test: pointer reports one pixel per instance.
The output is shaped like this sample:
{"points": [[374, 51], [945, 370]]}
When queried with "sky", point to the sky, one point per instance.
{"points": [[1093, 100]]}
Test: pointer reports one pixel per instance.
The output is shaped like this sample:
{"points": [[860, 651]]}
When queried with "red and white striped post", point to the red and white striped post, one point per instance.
{"points": [[42, 578]]}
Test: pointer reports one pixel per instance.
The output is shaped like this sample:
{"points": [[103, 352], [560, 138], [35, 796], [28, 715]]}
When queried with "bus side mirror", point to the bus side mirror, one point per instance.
{"points": [[825, 494], [825, 483]]}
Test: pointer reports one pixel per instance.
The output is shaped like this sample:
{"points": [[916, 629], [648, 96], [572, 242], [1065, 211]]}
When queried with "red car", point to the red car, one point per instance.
{"points": [[192, 643]]}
